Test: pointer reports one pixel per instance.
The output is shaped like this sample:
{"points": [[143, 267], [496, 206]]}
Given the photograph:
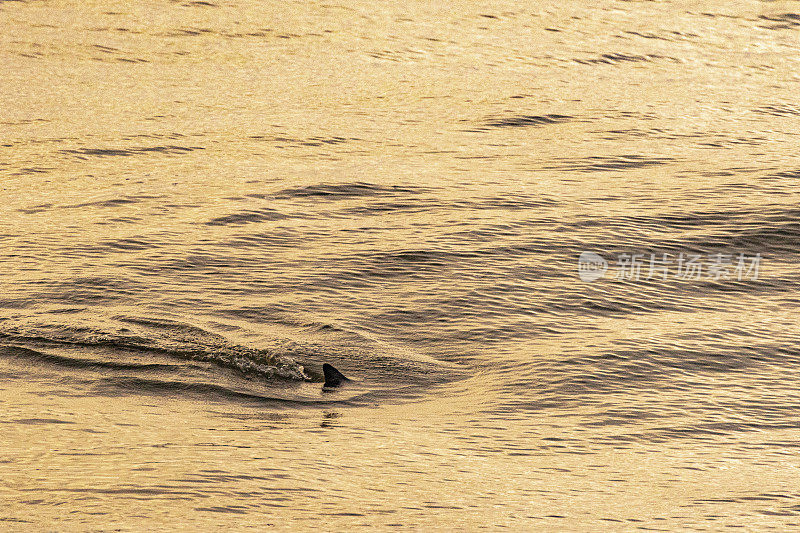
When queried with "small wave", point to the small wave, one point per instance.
{"points": [[662, 36], [126, 152], [128, 245], [725, 230], [615, 58], [199, 3], [277, 238], [28, 171], [37, 421], [35, 209], [508, 202], [794, 174], [162, 336], [188, 32], [523, 121], [37, 356], [346, 190], [308, 141], [784, 21], [783, 110], [247, 217], [419, 204], [116, 385], [605, 163], [112, 202]]}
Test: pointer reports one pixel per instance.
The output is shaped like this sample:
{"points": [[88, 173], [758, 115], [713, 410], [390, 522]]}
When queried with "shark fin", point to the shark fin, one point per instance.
{"points": [[333, 378]]}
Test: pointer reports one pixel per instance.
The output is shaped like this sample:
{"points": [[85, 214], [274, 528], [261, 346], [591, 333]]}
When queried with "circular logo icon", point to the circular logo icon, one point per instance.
{"points": [[591, 266]]}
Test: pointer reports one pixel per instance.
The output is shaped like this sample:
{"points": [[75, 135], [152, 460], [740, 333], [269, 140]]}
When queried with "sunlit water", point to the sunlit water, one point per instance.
{"points": [[205, 201]]}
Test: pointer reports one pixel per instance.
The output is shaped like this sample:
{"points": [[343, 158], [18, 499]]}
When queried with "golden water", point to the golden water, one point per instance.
{"points": [[205, 201]]}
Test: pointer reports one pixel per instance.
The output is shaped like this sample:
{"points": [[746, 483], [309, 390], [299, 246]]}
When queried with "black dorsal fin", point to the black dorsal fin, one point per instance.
{"points": [[333, 378]]}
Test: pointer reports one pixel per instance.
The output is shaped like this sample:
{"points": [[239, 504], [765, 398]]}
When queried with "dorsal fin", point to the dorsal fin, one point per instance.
{"points": [[333, 378]]}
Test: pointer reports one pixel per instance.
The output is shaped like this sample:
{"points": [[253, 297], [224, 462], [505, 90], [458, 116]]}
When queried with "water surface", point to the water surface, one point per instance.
{"points": [[205, 201]]}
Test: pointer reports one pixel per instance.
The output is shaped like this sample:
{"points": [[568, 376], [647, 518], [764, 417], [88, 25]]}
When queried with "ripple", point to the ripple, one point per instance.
{"points": [[784, 110], [126, 152], [605, 163], [248, 217], [522, 121], [346, 190], [786, 21]]}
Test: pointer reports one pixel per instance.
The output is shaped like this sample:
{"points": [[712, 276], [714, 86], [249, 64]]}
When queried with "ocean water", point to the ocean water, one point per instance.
{"points": [[204, 201]]}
